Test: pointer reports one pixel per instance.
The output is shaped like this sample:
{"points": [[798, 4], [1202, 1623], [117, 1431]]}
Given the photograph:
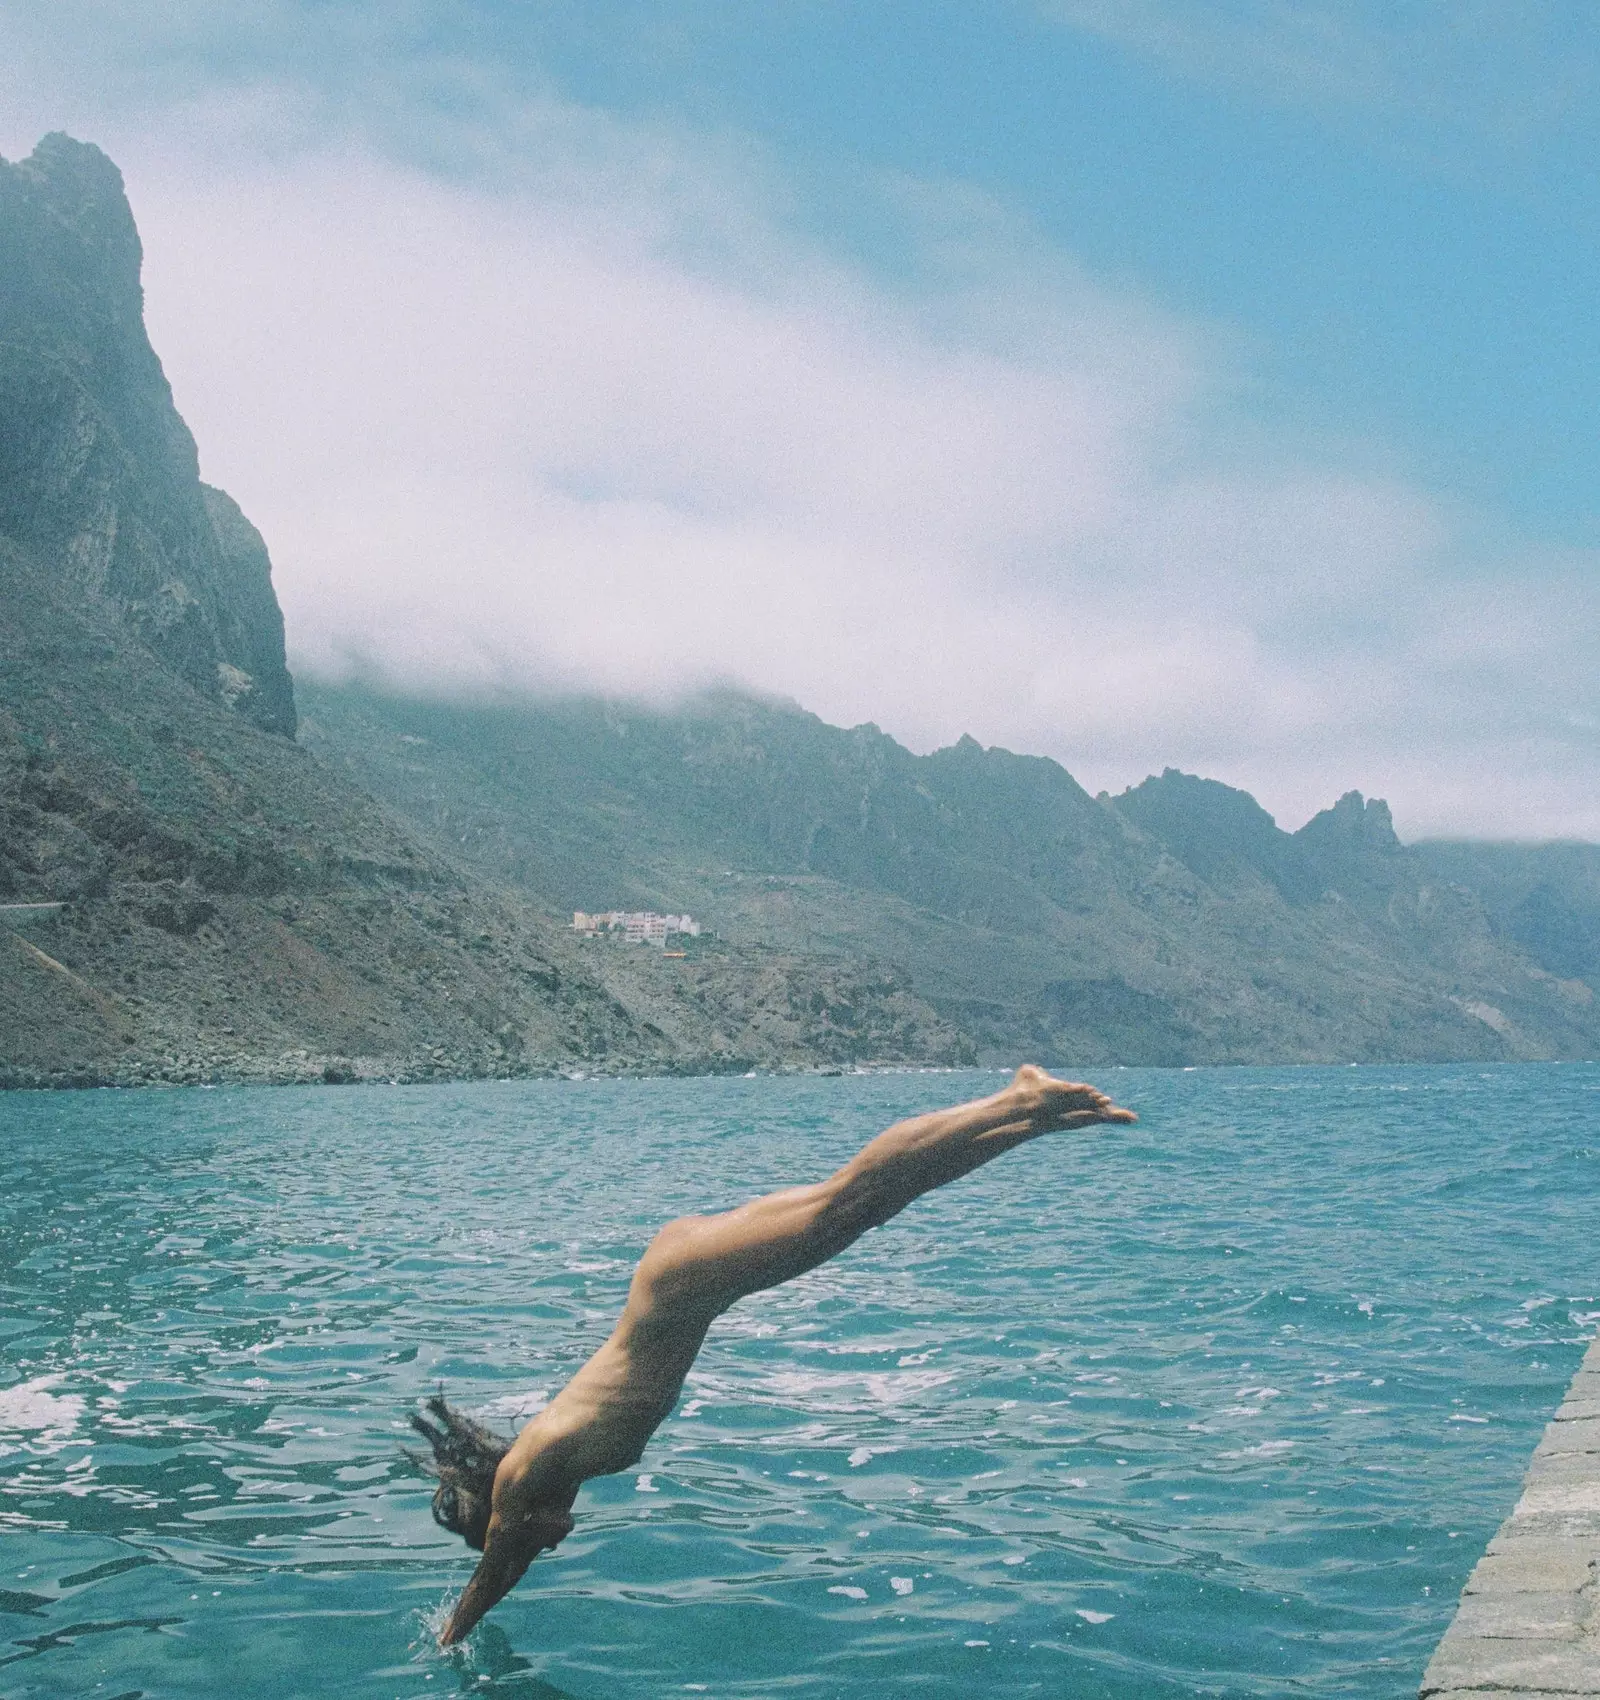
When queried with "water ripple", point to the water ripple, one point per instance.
{"points": [[1225, 1405]]}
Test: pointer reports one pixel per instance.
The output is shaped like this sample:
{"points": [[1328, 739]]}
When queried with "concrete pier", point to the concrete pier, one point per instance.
{"points": [[1528, 1626]]}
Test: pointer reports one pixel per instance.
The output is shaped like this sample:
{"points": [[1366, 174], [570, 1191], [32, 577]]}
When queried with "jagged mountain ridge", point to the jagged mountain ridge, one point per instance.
{"points": [[1542, 900], [1176, 923]]}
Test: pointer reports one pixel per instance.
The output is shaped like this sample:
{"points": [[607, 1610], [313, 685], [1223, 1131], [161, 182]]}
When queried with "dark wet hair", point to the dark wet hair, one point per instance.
{"points": [[465, 1458]]}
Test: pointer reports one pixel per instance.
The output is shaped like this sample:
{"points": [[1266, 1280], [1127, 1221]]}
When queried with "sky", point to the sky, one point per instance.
{"points": [[1203, 383]]}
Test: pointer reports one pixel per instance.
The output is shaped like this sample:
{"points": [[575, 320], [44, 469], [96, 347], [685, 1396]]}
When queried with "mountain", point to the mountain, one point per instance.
{"points": [[98, 474], [209, 872], [1544, 897], [1174, 924], [187, 892]]}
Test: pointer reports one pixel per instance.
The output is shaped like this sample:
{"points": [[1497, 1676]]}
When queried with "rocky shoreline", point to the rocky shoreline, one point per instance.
{"points": [[301, 1068]]}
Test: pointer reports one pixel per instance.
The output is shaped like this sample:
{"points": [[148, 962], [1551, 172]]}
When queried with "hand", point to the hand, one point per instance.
{"points": [[508, 1550]]}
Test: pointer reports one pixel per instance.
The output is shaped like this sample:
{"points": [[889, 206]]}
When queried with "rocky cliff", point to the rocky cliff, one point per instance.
{"points": [[186, 893], [99, 476]]}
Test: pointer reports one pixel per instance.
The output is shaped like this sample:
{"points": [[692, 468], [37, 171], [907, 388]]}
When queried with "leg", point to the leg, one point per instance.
{"points": [[696, 1267], [710, 1261]]}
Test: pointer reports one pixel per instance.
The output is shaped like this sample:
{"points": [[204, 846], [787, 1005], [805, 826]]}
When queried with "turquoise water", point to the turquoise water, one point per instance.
{"points": [[1225, 1404]]}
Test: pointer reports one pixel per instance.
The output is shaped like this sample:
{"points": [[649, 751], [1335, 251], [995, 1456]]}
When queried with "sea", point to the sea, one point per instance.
{"points": [[1227, 1403]]}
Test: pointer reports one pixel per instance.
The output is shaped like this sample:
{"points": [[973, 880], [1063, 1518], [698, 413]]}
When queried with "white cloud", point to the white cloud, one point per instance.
{"points": [[580, 411]]}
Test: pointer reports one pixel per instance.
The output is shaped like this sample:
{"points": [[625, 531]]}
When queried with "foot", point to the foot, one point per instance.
{"points": [[1053, 1105]]}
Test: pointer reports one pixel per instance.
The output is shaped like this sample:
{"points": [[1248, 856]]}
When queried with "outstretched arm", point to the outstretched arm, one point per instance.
{"points": [[507, 1553], [497, 1574]]}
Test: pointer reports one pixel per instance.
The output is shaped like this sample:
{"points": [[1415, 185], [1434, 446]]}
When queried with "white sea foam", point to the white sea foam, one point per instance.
{"points": [[31, 1407], [1089, 1616], [836, 1390], [425, 1648]]}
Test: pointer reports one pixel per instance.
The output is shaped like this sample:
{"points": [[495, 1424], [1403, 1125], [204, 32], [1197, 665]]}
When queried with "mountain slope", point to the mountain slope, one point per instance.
{"points": [[1543, 897], [234, 910], [1176, 924]]}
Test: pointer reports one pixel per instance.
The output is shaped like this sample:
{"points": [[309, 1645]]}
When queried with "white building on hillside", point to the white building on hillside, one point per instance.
{"points": [[637, 926]]}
